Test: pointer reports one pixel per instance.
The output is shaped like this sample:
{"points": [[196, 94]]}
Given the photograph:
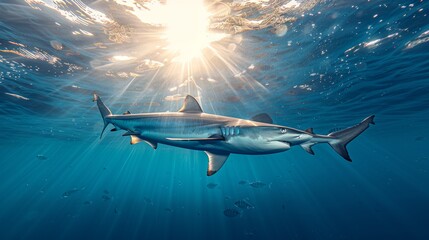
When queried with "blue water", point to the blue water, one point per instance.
{"points": [[339, 62]]}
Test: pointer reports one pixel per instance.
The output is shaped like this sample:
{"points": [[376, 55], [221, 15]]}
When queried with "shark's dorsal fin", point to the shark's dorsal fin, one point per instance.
{"points": [[309, 130], [190, 105], [136, 139], [262, 117], [216, 161]]}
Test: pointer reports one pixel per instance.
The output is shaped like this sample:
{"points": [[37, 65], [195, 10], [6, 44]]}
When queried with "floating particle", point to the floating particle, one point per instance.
{"points": [[280, 30], [147, 65], [41, 157], [17, 96], [56, 45]]}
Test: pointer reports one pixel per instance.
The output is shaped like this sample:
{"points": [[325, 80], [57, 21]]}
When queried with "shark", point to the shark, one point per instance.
{"points": [[220, 136]]}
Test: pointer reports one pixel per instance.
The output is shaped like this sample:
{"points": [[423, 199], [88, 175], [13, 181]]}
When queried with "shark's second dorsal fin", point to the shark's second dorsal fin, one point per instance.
{"points": [[262, 117], [190, 105], [309, 130]]}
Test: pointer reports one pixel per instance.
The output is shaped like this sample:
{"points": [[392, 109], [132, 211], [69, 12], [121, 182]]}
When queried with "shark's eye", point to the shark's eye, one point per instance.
{"points": [[283, 130]]}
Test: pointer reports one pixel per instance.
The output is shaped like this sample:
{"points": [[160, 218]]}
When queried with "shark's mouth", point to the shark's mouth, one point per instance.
{"points": [[282, 141]]}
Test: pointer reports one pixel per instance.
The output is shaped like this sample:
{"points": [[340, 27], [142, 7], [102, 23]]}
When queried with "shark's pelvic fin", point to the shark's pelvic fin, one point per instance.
{"points": [[191, 105], [307, 147], [262, 117], [104, 111], [216, 161], [136, 139]]}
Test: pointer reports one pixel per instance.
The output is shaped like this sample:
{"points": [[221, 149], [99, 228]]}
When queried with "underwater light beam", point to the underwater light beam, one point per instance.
{"points": [[187, 29]]}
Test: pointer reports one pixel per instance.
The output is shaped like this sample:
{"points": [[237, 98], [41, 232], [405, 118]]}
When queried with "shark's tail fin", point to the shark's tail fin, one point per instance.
{"points": [[342, 138], [104, 110]]}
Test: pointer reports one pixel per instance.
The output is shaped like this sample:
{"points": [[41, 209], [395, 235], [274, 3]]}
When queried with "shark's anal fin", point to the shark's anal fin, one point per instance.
{"points": [[154, 145], [307, 147], [190, 105], [136, 139], [262, 117], [216, 161]]}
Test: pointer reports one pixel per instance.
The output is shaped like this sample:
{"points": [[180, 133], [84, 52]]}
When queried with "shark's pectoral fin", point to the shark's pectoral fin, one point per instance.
{"points": [[216, 161], [136, 139], [307, 147]]}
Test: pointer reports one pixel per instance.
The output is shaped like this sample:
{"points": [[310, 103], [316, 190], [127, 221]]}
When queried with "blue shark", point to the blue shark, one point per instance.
{"points": [[219, 136]]}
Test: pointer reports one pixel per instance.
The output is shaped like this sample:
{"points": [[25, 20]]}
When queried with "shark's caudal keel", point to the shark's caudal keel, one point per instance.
{"points": [[219, 136]]}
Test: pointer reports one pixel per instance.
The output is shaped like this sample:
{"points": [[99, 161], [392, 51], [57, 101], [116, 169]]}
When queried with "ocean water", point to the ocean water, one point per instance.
{"points": [[334, 64]]}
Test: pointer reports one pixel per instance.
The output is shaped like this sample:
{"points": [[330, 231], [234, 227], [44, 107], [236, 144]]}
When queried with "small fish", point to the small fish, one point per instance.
{"points": [[147, 201], [106, 197], [68, 193], [211, 185], [230, 212], [242, 182], [258, 184], [41, 157], [420, 138], [243, 204]]}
